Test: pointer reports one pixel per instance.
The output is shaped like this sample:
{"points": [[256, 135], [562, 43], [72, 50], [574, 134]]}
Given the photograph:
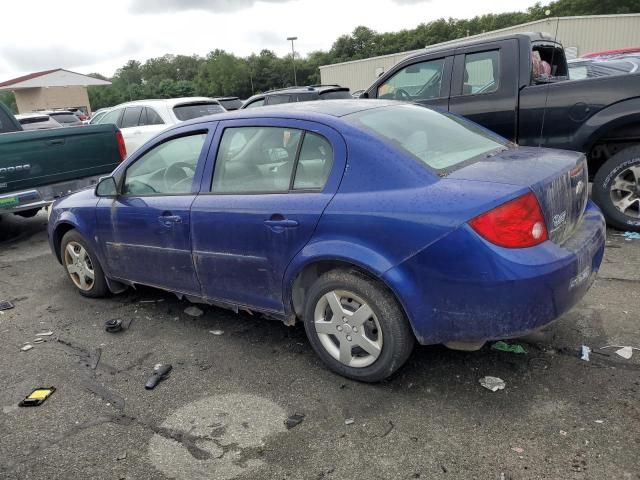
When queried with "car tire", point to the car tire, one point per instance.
{"points": [[610, 183], [81, 263], [385, 332]]}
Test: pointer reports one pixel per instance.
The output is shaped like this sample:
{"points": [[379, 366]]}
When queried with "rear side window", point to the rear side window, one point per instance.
{"points": [[314, 164], [278, 99], [256, 160], [481, 73], [150, 117], [131, 117], [439, 140], [196, 110]]}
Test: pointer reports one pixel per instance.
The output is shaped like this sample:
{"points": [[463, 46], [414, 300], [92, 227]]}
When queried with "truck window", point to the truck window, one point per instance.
{"points": [[6, 125], [481, 72], [420, 81], [548, 63]]}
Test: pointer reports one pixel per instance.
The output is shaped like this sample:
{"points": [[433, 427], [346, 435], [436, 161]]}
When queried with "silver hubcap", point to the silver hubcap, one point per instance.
{"points": [[348, 329], [79, 266], [625, 191]]}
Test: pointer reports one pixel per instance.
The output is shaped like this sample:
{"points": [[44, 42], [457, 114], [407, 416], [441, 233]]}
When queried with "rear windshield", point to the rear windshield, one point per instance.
{"points": [[439, 140], [196, 110], [25, 121], [233, 104], [336, 95], [65, 118]]}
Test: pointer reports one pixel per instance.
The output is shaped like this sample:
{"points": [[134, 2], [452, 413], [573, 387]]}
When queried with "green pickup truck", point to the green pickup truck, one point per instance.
{"points": [[38, 166]]}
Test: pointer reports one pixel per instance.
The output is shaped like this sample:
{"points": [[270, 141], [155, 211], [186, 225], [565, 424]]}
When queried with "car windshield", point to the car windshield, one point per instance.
{"points": [[65, 118], [231, 104], [196, 110], [439, 140], [336, 95]]}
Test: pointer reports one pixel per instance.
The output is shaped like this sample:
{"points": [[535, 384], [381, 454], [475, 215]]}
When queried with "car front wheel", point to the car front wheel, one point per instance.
{"points": [[356, 326], [82, 266]]}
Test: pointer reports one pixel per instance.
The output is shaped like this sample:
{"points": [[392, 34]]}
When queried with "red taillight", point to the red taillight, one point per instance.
{"points": [[122, 148], [515, 224]]}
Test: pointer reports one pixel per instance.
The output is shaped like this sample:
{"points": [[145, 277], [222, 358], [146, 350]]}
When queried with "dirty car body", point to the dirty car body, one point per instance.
{"points": [[427, 206]]}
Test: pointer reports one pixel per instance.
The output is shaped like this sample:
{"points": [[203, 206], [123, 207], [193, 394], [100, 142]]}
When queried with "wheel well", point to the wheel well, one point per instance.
{"points": [[310, 273], [60, 232], [610, 143]]}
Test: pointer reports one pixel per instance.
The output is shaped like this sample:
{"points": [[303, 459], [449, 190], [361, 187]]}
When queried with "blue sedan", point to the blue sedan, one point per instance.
{"points": [[375, 223]]}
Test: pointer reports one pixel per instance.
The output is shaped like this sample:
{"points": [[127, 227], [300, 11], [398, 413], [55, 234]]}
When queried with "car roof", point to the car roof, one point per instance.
{"points": [[169, 102], [22, 116], [298, 110]]}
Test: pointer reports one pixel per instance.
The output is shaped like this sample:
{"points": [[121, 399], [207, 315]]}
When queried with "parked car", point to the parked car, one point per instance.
{"points": [[78, 112], [230, 103], [298, 94], [95, 118], [37, 121], [518, 86], [617, 51], [37, 167], [141, 120], [375, 223], [581, 68], [63, 117]]}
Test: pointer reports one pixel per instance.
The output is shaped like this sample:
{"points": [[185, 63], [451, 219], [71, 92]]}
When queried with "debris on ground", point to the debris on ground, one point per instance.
{"points": [[6, 305], [631, 235], [193, 311], [122, 456], [584, 353], [349, 421], [160, 373], [27, 347], [217, 333], [158, 300], [37, 397], [509, 348], [624, 352], [517, 449], [294, 420], [44, 334], [493, 383], [389, 429], [599, 421], [563, 433], [113, 326]]}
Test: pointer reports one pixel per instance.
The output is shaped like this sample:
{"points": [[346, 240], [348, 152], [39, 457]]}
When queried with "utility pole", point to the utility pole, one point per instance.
{"points": [[293, 59]]}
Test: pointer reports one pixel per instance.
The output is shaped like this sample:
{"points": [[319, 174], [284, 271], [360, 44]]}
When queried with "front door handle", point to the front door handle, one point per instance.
{"points": [[57, 141], [169, 220]]}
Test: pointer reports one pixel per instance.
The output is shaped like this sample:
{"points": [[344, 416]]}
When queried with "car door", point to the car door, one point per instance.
{"points": [[484, 86], [421, 80], [145, 231], [266, 187]]}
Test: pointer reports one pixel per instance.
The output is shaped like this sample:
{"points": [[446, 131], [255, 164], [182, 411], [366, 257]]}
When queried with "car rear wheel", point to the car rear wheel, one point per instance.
{"points": [[616, 189], [83, 266], [356, 326]]}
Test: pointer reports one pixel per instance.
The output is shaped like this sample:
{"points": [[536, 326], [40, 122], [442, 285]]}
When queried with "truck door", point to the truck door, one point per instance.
{"points": [[484, 87]]}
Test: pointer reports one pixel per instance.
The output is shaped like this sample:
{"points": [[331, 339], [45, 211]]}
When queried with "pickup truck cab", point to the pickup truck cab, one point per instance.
{"points": [[518, 86], [38, 166]]}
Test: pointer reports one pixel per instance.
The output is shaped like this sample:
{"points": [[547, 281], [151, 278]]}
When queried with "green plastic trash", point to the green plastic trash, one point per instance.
{"points": [[505, 347]]}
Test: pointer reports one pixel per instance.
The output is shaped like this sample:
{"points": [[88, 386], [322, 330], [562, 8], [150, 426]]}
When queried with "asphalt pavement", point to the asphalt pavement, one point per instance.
{"points": [[236, 379]]}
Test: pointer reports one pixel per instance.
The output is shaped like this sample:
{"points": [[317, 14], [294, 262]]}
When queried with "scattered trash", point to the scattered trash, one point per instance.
{"points": [[193, 311], [160, 373], [6, 305], [493, 383], [563, 433], [509, 348], [585, 351], [631, 235], [27, 347], [389, 429], [294, 420], [349, 421], [624, 352], [113, 326], [517, 449], [37, 397], [38, 340], [122, 456], [44, 334], [216, 332], [600, 421]]}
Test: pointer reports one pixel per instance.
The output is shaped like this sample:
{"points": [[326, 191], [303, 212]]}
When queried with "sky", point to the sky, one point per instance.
{"points": [[99, 36]]}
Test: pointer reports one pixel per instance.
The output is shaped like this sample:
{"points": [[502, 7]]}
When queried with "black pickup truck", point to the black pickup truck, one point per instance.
{"points": [[518, 86]]}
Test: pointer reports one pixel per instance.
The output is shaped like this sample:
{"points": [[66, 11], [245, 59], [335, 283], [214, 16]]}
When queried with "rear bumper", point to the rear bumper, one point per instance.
{"points": [[464, 289], [42, 196]]}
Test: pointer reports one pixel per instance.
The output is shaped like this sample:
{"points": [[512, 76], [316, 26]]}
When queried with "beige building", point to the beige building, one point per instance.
{"points": [[579, 35], [51, 89]]}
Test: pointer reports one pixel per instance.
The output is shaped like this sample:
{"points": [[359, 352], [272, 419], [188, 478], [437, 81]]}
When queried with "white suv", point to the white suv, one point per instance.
{"points": [[141, 120]]}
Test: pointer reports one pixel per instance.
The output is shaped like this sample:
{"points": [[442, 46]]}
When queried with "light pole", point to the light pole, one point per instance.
{"points": [[293, 58]]}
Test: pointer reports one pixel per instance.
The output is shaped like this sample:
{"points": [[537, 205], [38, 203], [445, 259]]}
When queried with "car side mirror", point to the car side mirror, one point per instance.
{"points": [[107, 187]]}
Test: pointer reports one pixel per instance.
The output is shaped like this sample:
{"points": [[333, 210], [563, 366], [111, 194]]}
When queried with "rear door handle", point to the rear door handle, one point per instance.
{"points": [[57, 141], [169, 220], [281, 223]]}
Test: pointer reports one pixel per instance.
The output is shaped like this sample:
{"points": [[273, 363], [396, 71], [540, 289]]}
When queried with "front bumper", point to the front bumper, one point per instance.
{"points": [[465, 289], [42, 196]]}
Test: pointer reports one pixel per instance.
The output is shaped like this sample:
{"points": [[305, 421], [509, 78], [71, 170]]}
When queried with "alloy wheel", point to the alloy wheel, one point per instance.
{"points": [[625, 192], [79, 265]]}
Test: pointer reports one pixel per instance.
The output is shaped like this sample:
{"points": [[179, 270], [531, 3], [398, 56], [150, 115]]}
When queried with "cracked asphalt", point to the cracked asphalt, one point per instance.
{"points": [[221, 413]]}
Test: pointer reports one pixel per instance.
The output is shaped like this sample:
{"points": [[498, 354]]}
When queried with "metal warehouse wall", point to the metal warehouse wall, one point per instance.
{"points": [[579, 35]]}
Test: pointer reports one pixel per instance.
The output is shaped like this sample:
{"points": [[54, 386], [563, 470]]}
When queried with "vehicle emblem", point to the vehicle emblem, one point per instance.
{"points": [[15, 168], [579, 188], [559, 219]]}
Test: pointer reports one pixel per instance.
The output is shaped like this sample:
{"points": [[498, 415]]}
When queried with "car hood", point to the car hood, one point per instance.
{"points": [[81, 198]]}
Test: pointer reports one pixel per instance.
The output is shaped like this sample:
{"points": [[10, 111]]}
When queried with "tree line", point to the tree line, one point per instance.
{"points": [[221, 73]]}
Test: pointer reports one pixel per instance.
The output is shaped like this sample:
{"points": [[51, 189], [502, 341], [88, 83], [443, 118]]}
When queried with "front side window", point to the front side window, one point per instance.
{"points": [[439, 140], [167, 169], [481, 73], [257, 103], [420, 81], [256, 159], [131, 117], [278, 99], [111, 117]]}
